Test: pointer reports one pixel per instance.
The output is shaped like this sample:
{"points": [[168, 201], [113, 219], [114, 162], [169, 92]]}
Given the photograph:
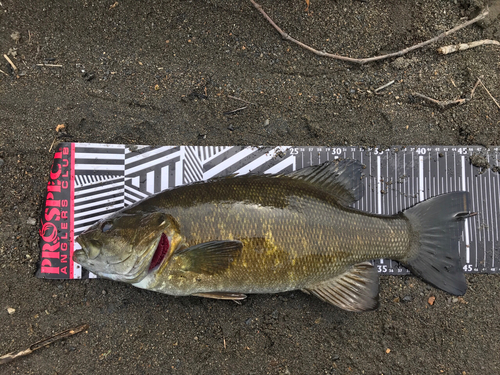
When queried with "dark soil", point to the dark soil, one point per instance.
{"points": [[161, 72]]}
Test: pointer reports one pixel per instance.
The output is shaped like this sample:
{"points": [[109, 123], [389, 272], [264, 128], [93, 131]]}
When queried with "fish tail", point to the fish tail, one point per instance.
{"points": [[436, 227]]}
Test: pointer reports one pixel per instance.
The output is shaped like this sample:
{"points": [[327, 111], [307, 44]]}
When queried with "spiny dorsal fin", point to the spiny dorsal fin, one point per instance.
{"points": [[354, 290], [209, 257], [342, 179]]}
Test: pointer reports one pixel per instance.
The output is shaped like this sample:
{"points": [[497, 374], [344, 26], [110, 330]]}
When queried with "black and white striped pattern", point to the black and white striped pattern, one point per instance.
{"points": [[109, 177], [99, 177]]}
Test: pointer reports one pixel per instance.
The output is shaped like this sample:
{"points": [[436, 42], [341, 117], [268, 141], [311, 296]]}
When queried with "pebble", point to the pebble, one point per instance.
{"points": [[31, 221], [10, 310], [16, 36], [407, 299], [103, 292]]}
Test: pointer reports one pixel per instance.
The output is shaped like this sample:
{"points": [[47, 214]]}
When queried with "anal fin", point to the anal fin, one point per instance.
{"points": [[222, 295], [354, 290]]}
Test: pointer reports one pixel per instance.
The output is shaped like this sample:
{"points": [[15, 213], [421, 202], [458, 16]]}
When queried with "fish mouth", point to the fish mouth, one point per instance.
{"points": [[161, 252], [79, 255]]}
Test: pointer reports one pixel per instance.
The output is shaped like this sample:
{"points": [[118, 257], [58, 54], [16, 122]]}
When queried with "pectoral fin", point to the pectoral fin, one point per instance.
{"points": [[222, 295], [354, 290], [209, 257]]}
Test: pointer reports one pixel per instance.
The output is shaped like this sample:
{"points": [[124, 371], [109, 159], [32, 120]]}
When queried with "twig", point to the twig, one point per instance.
{"points": [[51, 65], [446, 103], [441, 103], [369, 59], [40, 344], [463, 46], [234, 111], [10, 62], [241, 100], [384, 86], [52, 145], [474, 88], [491, 96], [3, 72]]}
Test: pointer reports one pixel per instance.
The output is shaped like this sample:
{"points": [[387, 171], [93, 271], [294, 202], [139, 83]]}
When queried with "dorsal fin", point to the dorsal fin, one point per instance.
{"points": [[340, 178]]}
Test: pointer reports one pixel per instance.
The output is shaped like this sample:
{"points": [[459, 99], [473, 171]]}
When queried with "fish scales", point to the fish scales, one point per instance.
{"points": [[293, 234], [232, 236]]}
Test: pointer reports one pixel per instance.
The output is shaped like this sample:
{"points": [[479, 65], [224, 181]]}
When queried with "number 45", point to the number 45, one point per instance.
{"points": [[468, 268]]}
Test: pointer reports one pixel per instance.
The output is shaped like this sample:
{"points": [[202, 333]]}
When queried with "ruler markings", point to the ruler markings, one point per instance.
{"points": [[497, 199], [390, 189], [396, 182], [455, 171], [486, 228], [466, 231], [429, 194], [491, 228]]}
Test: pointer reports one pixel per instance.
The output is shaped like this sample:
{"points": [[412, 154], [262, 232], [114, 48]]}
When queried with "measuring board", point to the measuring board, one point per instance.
{"points": [[90, 181]]}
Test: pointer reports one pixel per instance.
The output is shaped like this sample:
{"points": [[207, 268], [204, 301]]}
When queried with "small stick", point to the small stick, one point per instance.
{"points": [[445, 103], [52, 145], [369, 59], [441, 103], [234, 111], [491, 96], [40, 344], [50, 65], [463, 46], [474, 88], [4, 72], [384, 86], [10, 62], [241, 100]]}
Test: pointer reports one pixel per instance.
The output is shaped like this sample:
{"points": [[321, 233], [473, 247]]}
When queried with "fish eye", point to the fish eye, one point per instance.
{"points": [[107, 226]]}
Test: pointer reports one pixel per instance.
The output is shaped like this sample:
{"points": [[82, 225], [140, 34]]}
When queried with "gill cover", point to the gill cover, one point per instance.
{"points": [[122, 246]]}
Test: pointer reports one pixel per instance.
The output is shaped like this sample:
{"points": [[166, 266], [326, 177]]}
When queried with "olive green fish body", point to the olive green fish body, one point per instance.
{"points": [[232, 236], [293, 235]]}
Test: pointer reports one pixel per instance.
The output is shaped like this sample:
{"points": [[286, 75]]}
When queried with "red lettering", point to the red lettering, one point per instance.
{"points": [[51, 202], [65, 163], [51, 212], [50, 254], [48, 232], [65, 151], [66, 174], [64, 258], [65, 203], [65, 237], [64, 246], [52, 186], [46, 267], [49, 247], [65, 185], [55, 175], [64, 226], [64, 214], [64, 270]]}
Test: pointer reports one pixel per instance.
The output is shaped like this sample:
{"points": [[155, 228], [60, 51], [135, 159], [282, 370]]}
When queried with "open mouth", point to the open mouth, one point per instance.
{"points": [[161, 251]]}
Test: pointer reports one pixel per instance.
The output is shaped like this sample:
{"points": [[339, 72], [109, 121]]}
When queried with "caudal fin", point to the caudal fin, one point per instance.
{"points": [[437, 225]]}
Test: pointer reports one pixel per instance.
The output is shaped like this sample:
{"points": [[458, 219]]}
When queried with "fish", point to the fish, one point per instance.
{"points": [[229, 237]]}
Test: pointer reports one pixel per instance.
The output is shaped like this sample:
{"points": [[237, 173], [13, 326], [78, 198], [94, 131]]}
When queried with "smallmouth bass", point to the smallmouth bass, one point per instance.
{"points": [[233, 236]]}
